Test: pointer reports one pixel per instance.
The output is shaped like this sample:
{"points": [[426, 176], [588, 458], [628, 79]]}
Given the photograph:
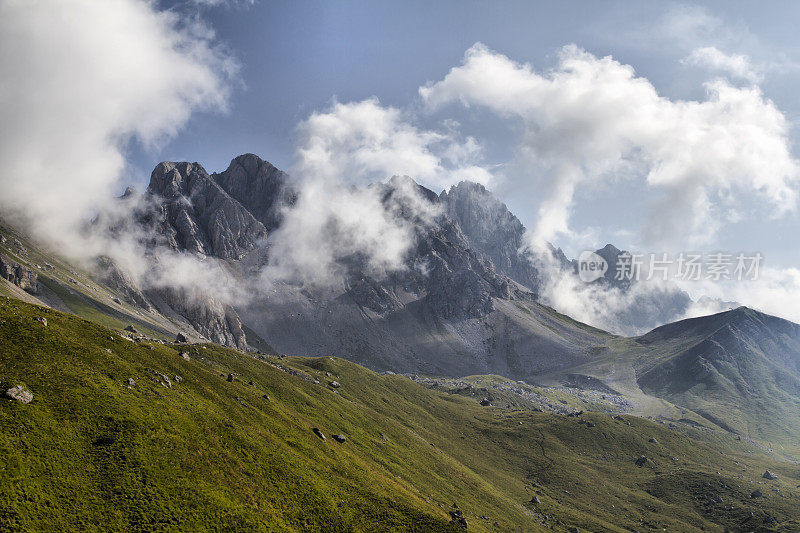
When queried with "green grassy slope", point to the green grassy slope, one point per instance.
{"points": [[90, 453]]}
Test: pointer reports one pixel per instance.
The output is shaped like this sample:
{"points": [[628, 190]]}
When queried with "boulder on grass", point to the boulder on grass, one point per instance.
{"points": [[19, 393]]}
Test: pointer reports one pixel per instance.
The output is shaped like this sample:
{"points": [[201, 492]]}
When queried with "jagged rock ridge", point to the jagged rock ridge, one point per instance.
{"points": [[198, 216]]}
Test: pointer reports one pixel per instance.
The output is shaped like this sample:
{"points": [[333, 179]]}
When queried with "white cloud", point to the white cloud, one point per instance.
{"points": [[215, 3], [80, 79], [590, 120], [712, 58], [337, 216], [776, 291], [362, 142], [688, 25], [330, 224]]}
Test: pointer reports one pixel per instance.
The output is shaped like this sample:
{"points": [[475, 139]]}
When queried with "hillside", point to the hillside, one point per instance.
{"points": [[182, 447], [738, 370]]}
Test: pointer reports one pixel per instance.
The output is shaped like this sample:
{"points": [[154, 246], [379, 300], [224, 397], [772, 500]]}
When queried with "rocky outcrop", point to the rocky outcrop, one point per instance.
{"points": [[370, 294], [214, 321], [260, 187], [614, 276], [197, 215], [210, 318], [21, 276], [498, 236], [442, 269]]}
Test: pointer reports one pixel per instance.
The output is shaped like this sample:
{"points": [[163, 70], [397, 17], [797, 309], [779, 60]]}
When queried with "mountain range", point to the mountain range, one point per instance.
{"points": [[478, 306], [189, 406]]}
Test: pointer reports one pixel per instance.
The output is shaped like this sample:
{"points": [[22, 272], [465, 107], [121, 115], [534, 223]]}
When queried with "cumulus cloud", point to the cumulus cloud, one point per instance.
{"points": [[361, 142], [735, 65], [329, 225], [590, 120], [81, 79], [340, 152]]}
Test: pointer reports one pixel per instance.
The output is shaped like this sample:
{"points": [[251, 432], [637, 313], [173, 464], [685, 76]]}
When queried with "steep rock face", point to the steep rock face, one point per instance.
{"points": [[447, 312], [198, 216], [23, 277], [442, 270], [185, 210], [459, 283], [211, 319], [494, 232], [258, 186]]}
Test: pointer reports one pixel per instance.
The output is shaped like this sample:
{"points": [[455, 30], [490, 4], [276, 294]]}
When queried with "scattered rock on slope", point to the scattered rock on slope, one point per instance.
{"points": [[19, 393], [457, 517]]}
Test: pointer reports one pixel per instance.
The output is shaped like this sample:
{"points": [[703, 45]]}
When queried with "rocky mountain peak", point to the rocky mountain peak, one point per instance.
{"points": [[170, 179], [258, 186], [491, 230], [407, 184], [608, 250], [197, 214]]}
